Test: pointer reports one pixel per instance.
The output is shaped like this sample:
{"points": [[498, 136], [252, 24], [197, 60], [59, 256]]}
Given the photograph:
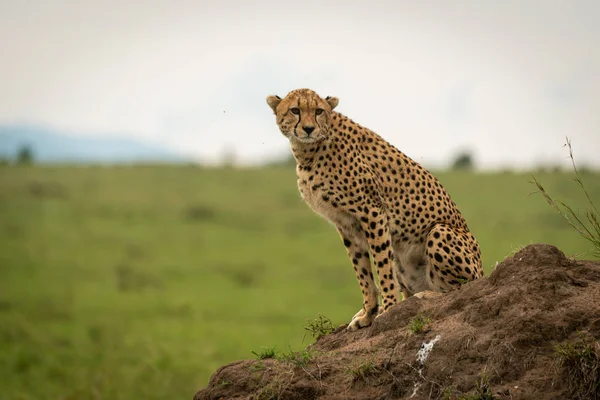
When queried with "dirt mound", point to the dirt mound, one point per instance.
{"points": [[528, 331]]}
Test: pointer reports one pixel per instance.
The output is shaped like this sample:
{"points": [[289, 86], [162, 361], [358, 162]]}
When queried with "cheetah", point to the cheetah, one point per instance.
{"points": [[386, 207]]}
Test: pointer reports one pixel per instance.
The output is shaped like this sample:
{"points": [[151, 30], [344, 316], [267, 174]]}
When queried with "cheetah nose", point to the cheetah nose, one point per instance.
{"points": [[309, 129]]}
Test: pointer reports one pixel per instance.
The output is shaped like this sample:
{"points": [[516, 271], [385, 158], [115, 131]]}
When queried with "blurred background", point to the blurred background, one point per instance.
{"points": [[150, 225]]}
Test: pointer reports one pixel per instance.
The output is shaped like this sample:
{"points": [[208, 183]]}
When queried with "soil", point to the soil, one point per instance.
{"points": [[499, 337]]}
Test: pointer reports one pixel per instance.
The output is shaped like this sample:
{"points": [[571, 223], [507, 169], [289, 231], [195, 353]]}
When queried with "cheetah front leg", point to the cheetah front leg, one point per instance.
{"points": [[379, 240], [357, 248]]}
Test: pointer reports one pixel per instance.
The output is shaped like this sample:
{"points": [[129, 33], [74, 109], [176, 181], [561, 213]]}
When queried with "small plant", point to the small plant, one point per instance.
{"points": [[257, 366], [418, 323], [318, 327], [273, 387], [266, 352], [224, 382], [482, 388], [580, 364], [448, 393], [589, 230], [363, 371], [265, 393], [298, 358]]}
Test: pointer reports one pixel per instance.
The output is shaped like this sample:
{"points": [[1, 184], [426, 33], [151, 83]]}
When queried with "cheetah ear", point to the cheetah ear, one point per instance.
{"points": [[332, 101], [273, 102]]}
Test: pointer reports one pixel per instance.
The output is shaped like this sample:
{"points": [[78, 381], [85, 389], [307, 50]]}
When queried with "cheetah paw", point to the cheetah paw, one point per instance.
{"points": [[427, 294], [359, 314], [361, 322], [362, 319]]}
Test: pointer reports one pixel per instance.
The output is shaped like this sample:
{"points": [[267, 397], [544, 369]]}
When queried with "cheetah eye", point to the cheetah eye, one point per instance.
{"points": [[295, 110], [319, 111]]}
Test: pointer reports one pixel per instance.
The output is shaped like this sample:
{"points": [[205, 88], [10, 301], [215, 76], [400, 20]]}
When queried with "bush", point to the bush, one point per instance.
{"points": [[463, 161]]}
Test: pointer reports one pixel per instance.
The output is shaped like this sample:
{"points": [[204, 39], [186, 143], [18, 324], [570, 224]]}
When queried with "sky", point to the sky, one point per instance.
{"points": [[505, 80]]}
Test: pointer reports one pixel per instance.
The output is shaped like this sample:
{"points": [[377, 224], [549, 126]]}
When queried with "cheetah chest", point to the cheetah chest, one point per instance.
{"points": [[317, 197]]}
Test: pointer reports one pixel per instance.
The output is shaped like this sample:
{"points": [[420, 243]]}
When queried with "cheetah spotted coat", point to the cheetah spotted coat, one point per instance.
{"points": [[385, 206]]}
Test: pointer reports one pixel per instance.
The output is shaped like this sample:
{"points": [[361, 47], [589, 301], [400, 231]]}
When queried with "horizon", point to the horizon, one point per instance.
{"points": [[227, 160]]}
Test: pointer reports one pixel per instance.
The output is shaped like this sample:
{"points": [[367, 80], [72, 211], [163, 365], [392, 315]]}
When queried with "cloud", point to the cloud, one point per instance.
{"points": [[508, 80]]}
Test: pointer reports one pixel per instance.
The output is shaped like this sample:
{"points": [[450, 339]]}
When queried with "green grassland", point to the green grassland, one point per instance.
{"points": [[138, 282]]}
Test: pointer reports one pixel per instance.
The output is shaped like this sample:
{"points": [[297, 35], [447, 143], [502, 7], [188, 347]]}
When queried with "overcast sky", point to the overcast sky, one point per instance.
{"points": [[507, 79]]}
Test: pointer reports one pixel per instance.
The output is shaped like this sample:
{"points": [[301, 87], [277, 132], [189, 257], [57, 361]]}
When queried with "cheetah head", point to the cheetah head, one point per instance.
{"points": [[303, 115]]}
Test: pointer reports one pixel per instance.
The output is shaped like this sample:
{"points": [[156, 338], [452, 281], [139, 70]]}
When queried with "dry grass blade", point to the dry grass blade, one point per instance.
{"points": [[590, 229]]}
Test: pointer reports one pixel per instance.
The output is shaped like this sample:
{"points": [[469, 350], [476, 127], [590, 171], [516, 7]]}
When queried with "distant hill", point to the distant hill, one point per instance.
{"points": [[50, 145]]}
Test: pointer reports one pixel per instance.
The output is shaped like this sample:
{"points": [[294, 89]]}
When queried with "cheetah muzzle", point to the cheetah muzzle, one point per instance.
{"points": [[385, 206]]}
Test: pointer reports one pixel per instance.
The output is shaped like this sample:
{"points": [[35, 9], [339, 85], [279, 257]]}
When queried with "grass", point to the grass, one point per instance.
{"points": [[588, 227], [580, 365], [298, 358], [224, 382], [129, 282], [418, 323], [482, 390], [363, 371], [266, 352]]}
